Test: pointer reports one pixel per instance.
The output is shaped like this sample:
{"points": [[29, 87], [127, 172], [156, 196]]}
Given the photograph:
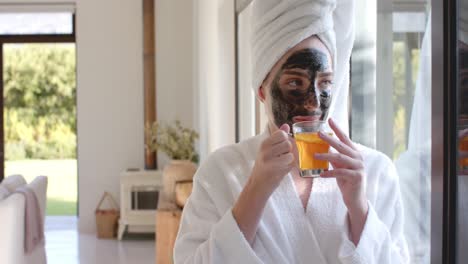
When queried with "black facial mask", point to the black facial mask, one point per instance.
{"points": [[301, 88]]}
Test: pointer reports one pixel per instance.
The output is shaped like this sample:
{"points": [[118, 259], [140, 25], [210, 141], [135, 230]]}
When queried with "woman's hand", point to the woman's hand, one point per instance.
{"points": [[274, 161], [348, 169]]}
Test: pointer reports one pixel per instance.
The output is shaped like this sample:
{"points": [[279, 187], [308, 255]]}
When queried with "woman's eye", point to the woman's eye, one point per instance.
{"points": [[325, 84]]}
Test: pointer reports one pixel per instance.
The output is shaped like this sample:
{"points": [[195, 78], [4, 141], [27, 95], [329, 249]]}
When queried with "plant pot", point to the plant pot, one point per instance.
{"points": [[176, 171]]}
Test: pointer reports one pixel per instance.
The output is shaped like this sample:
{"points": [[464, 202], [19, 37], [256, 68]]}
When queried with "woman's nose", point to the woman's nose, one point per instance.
{"points": [[311, 102]]}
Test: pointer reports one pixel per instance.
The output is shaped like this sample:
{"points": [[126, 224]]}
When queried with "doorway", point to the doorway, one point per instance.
{"points": [[38, 83]]}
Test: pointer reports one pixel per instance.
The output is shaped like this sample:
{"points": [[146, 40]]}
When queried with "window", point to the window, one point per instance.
{"points": [[391, 103]]}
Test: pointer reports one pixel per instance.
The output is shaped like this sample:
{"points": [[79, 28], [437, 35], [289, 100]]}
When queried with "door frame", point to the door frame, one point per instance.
{"points": [[444, 113], [30, 38]]}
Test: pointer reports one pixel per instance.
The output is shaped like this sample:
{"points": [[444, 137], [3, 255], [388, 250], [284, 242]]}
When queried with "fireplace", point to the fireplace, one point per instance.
{"points": [[139, 197]]}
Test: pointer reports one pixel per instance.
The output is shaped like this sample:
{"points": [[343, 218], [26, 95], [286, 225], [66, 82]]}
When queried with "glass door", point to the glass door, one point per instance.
{"points": [[462, 132], [448, 197], [391, 103], [409, 100]]}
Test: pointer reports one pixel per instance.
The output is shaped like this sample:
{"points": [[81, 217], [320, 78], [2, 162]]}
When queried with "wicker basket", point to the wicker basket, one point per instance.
{"points": [[106, 219]]}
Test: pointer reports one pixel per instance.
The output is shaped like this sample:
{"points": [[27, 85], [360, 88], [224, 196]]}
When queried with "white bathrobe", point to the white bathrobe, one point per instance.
{"points": [[287, 233]]}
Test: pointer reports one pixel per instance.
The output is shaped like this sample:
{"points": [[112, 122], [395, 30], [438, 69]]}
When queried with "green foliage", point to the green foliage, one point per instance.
{"points": [[40, 101], [402, 94], [15, 151], [399, 93], [176, 141]]}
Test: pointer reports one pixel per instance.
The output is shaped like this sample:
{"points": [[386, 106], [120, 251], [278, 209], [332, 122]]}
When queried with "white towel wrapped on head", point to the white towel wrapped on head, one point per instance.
{"points": [[279, 25]]}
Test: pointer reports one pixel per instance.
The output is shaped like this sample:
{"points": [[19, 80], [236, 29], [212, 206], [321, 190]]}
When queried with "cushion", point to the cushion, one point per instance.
{"points": [[4, 192], [13, 182]]}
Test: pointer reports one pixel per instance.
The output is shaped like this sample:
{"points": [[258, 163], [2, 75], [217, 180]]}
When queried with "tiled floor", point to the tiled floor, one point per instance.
{"points": [[64, 245]]}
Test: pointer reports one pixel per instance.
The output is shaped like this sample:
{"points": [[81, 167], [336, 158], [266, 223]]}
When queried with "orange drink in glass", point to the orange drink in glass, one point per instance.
{"points": [[463, 147], [463, 143], [308, 143]]}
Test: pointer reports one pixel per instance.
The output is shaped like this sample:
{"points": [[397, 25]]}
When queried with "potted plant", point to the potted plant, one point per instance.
{"points": [[178, 143]]}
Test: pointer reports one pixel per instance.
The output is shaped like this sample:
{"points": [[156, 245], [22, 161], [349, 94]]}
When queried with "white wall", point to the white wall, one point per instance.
{"points": [[109, 98], [110, 88], [246, 95], [215, 71], [175, 90]]}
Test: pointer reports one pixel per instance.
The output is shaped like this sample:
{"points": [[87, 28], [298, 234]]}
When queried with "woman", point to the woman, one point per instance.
{"points": [[249, 203]]}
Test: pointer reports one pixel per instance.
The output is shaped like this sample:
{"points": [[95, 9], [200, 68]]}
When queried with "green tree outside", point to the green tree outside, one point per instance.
{"points": [[40, 101], [400, 94], [40, 119]]}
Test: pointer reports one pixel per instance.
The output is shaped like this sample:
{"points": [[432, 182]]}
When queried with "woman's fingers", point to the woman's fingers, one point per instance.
{"points": [[462, 133], [280, 148], [338, 145], [342, 160], [283, 160], [277, 137], [341, 135], [341, 173]]}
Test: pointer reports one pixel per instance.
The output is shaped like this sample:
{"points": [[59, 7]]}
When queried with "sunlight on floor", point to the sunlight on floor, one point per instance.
{"points": [[64, 245]]}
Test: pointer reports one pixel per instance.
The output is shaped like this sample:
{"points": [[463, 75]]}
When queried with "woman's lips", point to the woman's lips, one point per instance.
{"points": [[305, 118]]}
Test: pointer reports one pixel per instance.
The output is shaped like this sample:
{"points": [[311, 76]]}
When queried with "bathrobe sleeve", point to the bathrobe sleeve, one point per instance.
{"points": [[382, 239], [207, 234]]}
